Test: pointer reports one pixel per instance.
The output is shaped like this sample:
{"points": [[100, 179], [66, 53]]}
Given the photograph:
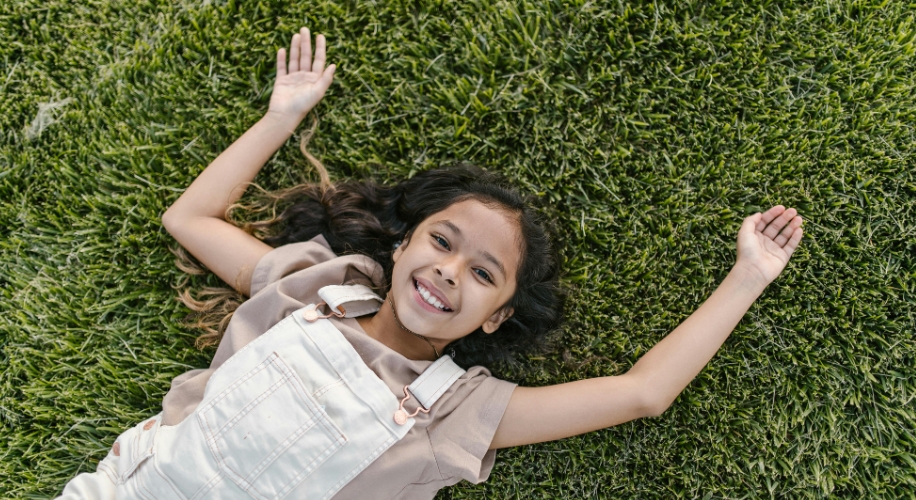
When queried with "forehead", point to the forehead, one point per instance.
{"points": [[484, 229]]}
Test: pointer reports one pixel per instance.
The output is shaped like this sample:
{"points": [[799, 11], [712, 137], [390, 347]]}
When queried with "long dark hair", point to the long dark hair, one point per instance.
{"points": [[369, 218]]}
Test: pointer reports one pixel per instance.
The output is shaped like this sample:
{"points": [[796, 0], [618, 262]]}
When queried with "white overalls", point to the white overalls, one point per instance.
{"points": [[293, 414]]}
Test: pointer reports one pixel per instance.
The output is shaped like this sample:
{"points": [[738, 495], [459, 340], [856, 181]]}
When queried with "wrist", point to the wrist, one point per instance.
{"points": [[748, 278], [281, 121]]}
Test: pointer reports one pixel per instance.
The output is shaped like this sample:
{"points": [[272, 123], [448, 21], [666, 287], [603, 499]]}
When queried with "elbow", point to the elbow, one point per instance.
{"points": [[655, 408], [171, 221], [168, 220], [652, 402]]}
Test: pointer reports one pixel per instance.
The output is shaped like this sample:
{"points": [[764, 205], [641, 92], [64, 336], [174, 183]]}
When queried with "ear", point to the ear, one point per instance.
{"points": [[498, 318], [401, 246]]}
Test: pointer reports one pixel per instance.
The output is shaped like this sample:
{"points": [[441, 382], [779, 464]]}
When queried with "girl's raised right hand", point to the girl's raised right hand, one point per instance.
{"points": [[301, 84]]}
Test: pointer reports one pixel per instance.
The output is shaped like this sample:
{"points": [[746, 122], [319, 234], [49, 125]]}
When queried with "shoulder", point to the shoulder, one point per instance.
{"points": [[325, 267], [466, 422], [477, 386]]}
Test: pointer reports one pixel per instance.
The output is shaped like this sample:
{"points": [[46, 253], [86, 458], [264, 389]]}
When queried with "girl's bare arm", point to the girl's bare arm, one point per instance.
{"points": [[535, 414], [197, 218]]}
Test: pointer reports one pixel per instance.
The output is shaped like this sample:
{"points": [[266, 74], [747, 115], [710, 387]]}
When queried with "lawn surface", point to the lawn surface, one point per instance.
{"points": [[650, 128]]}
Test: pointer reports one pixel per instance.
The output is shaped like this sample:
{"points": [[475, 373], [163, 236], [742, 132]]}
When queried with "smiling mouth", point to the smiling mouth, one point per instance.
{"points": [[429, 298]]}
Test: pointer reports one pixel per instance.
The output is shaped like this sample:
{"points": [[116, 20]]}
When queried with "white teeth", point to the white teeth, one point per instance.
{"points": [[429, 298]]}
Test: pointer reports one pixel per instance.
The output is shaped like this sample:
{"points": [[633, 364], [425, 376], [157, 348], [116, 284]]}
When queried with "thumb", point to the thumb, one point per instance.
{"points": [[750, 223], [327, 77]]}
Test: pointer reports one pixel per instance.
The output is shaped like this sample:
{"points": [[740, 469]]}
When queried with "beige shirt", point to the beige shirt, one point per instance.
{"points": [[448, 444]]}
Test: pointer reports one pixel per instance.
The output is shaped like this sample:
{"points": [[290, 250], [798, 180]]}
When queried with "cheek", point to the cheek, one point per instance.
{"points": [[487, 301]]}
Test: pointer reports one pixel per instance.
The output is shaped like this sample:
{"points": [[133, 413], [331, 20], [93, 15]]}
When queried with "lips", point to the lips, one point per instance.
{"points": [[432, 294]]}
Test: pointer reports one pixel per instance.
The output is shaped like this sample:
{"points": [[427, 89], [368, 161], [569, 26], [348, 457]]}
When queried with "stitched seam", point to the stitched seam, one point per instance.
{"points": [[106, 469], [327, 387], [256, 341], [211, 442], [131, 455], [359, 312], [148, 435], [343, 299], [207, 487], [283, 446], [351, 297], [234, 420], [289, 378], [431, 372], [318, 460], [429, 441], [318, 416], [325, 324], [231, 387], [428, 373], [167, 480], [296, 384], [211, 436], [245, 410], [444, 387], [142, 489]]}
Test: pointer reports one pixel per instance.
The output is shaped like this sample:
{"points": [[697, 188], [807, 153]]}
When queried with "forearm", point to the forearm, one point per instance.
{"points": [[197, 219], [675, 361], [224, 181]]}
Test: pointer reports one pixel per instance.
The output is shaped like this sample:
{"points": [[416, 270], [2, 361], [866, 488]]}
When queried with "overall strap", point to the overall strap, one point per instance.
{"points": [[360, 300], [429, 387], [435, 380]]}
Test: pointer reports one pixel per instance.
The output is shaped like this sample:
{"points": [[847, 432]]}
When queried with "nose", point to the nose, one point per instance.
{"points": [[446, 271]]}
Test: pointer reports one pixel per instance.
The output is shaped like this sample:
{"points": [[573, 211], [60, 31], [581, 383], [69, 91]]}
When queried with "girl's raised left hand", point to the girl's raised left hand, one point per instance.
{"points": [[766, 241], [301, 85]]}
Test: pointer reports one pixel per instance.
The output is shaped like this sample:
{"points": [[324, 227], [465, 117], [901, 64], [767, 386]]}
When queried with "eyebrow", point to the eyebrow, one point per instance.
{"points": [[487, 255]]}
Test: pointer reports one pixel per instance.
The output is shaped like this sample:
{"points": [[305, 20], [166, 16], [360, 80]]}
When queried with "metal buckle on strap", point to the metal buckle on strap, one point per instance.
{"points": [[401, 416], [312, 315]]}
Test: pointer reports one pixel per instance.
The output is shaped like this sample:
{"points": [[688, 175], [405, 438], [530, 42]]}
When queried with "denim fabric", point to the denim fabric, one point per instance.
{"points": [[294, 414]]}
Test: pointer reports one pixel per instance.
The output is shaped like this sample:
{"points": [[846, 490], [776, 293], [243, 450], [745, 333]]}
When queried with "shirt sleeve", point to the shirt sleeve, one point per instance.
{"points": [[287, 259], [462, 433]]}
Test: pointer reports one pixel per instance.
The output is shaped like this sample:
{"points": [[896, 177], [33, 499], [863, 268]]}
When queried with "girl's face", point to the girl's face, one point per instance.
{"points": [[457, 271]]}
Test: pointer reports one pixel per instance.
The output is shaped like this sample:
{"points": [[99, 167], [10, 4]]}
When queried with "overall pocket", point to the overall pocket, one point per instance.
{"points": [[266, 432], [134, 446]]}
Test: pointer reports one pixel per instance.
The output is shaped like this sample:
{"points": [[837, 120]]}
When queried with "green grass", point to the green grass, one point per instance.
{"points": [[653, 128]]}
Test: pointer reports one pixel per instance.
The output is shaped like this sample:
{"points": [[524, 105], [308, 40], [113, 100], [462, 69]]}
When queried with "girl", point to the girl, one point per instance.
{"points": [[464, 271]]}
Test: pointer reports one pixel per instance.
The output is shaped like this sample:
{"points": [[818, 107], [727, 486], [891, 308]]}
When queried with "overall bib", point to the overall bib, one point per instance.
{"points": [[293, 414]]}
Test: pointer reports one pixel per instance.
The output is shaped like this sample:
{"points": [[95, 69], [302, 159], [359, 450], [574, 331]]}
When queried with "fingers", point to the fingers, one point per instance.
{"points": [[320, 43], [305, 60], [792, 244], [768, 216], [787, 232], [327, 77], [300, 54], [281, 63], [777, 224], [294, 53]]}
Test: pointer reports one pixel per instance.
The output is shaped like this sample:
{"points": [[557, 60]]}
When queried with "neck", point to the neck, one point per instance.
{"points": [[385, 327]]}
